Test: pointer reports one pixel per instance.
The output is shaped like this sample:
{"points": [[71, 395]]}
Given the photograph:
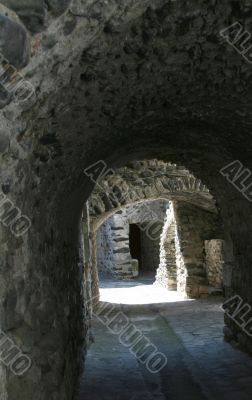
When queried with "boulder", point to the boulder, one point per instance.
{"points": [[14, 43], [31, 12]]}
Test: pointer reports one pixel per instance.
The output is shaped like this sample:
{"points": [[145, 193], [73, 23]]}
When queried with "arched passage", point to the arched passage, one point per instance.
{"points": [[113, 82], [127, 190]]}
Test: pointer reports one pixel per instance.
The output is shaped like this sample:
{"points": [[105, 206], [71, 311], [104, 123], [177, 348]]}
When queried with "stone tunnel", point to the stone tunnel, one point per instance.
{"points": [[106, 106]]}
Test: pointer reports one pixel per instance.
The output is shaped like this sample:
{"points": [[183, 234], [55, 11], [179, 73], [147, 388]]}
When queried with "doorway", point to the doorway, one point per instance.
{"points": [[135, 244]]}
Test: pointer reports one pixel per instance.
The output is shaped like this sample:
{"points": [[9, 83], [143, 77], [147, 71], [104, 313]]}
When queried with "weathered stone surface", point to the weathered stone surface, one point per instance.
{"points": [[5, 97], [14, 43], [194, 227], [187, 262], [190, 336], [31, 12], [148, 179], [113, 248], [214, 259], [134, 80], [167, 271], [57, 6], [4, 141]]}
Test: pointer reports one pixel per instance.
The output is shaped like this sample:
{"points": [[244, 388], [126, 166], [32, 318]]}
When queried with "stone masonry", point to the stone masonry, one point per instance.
{"points": [[137, 84], [189, 262], [113, 249], [214, 261]]}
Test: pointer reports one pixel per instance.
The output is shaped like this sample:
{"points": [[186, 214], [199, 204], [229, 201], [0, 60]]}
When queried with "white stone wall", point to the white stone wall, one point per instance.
{"points": [[167, 271]]}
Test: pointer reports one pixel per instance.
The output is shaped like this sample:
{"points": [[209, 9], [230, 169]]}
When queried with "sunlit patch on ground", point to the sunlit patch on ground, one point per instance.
{"points": [[138, 291]]}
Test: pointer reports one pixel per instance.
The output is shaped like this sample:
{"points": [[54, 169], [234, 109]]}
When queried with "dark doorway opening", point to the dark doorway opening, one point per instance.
{"points": [[135, 243]]}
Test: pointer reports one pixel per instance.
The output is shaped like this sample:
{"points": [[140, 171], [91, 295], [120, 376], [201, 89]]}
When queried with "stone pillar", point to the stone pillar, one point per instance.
{"points": [[214, 260], [194, 226], [167, 271], [182, 274], [121, 251]]}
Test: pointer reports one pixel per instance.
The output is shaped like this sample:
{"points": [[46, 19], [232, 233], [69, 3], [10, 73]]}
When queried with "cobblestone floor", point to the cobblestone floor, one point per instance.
{"points": [[201, 365]]}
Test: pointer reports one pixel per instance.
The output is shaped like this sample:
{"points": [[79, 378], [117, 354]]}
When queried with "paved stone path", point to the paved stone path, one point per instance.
{"points": [[200, 364]]}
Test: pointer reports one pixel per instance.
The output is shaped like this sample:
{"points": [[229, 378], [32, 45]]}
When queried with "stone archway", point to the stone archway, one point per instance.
{"points": [[114, 82], [116, 255], [141, 181]]}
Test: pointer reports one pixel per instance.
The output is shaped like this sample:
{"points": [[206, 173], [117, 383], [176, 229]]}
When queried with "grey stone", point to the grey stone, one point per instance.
{"points": [[138, 187], [113, 249], [4, 142], [5, 97], [140, 106], [70, 25], [14, 43], [58, 6], [31, 12]]}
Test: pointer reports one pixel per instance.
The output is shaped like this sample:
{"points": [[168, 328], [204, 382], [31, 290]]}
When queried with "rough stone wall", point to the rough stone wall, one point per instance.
{"points": [[113, 248], [182, 273], [148, 179], [214, 260], [229, 267], [37, 14], [113, 255], [194, 226], [167, 271], [86, 255], [182, 257], [117, 81], [94, 271], [104, 249]]}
